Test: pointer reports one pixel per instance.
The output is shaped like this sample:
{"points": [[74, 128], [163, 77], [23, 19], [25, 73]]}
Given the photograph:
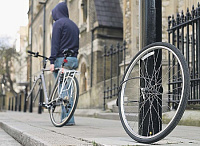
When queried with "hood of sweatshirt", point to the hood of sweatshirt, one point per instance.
{"points": [[60, 11]]}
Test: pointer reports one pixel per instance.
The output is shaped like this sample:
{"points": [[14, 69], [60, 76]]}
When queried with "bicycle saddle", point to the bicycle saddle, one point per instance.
{"points": [[68, 53]]}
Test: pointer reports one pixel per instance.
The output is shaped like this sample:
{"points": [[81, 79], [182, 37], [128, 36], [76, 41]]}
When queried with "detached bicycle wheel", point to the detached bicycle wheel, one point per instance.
{"points": [[154, 92], [64, 101]]}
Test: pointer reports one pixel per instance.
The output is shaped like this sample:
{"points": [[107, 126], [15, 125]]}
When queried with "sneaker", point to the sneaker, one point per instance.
{"points": [[69, 124]]}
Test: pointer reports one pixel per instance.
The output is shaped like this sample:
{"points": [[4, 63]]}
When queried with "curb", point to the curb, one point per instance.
{"points": [[27, 139], [189, 118], [30, 134], [21, 137]]}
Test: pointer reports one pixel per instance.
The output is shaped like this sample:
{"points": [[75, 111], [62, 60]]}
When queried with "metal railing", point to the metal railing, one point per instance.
{"points": [[113, 57], [184, 33], [19, 101]]}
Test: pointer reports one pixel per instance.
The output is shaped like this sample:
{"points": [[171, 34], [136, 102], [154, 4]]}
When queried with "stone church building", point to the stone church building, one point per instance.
{"points": [[101, 22]]}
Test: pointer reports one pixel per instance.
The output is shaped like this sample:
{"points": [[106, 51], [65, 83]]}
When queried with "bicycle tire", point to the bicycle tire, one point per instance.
{"points": [[56, 110], [140, 93]]}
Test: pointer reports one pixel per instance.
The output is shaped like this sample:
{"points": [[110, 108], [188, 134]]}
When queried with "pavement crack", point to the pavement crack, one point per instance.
{"points": [[78, 138]]}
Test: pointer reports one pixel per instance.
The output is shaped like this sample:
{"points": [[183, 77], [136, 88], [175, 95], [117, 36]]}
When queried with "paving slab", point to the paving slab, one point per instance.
{"points": [[7, 140], [36, 129]]}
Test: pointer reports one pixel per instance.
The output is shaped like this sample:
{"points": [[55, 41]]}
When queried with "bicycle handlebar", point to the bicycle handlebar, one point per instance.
{"points": [[36, 54], [65, 52], [30, 52]]}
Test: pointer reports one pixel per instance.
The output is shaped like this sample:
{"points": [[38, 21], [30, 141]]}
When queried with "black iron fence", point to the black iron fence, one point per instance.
{"points": [[113, 57], [184, 33]]}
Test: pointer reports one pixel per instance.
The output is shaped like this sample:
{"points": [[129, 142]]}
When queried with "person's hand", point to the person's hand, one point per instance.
{"points": [[52, 67]]}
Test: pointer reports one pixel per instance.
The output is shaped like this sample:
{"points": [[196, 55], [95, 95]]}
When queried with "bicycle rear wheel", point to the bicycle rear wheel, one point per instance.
{"points": [[154, 92], [64, 101]]}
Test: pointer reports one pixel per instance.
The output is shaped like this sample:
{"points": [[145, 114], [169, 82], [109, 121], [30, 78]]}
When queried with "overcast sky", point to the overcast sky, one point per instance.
{"points": [[13, 14]]}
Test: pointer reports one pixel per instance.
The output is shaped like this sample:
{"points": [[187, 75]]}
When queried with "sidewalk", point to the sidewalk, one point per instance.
{"points": [[7, 140], [189, 118], [36, 129]]}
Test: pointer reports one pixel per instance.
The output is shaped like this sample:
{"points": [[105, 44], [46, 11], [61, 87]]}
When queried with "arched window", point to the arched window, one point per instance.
{"points": [[83, 15], [84, 10]]}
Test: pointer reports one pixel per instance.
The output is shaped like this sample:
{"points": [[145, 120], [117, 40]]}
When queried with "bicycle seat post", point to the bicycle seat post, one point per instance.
{"points": [[66, 54], [65, 60], [45, 62]]}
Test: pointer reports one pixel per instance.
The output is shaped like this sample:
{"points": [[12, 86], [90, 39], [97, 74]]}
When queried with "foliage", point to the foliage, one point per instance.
{"points": [[8, 56]]}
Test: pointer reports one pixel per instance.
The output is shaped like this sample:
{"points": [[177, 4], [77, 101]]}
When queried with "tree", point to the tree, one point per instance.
{"points": [[8, 55]]}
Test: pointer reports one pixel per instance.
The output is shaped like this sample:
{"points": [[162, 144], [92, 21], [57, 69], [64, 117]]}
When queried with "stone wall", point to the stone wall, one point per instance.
{"points": [[130, 33], [132, 21], [86, 44]]}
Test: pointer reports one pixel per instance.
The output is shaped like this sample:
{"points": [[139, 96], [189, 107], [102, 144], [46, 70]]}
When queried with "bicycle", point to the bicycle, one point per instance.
{"points": [[63, 99], [153, 93]]}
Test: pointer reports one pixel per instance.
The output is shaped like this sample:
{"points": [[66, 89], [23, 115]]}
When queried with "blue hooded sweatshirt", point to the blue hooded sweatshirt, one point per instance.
{"points": [[65, 33]]}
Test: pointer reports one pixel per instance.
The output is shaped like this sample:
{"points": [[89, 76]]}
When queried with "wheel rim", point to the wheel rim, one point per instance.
{"points": [[62, 110], [132, 128]]}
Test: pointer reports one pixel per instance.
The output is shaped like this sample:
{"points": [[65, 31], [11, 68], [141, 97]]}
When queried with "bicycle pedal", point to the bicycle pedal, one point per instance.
{"points": [[43, 105], [66, 99], [69, 106]]}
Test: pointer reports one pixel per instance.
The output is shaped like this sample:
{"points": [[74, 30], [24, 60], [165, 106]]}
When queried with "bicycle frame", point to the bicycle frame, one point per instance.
{"points": [[66, 72], [62, 101], [43, 84]]}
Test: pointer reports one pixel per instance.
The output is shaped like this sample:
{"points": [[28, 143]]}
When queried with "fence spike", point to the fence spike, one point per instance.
{"points": [[123, 47], [173, 21], [193, 12], [118, 46], [182, 16], [114, 89], [124, 44], [111, 49], [198, 10], [169, 22], [178, 19], [104, 50], [114, 50], [188, 15], [169, 18]]}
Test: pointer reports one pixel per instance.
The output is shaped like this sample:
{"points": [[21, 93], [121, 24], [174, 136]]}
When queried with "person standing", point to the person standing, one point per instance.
{"points": [[65, 35]]}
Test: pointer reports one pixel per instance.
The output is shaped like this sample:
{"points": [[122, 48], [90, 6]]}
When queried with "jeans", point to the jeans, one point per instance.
{"points": [[72, 63]]}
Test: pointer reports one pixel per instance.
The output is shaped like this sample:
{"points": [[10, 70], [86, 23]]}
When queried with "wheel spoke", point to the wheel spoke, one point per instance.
{"points": [[147, 91], [64, 101]]}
